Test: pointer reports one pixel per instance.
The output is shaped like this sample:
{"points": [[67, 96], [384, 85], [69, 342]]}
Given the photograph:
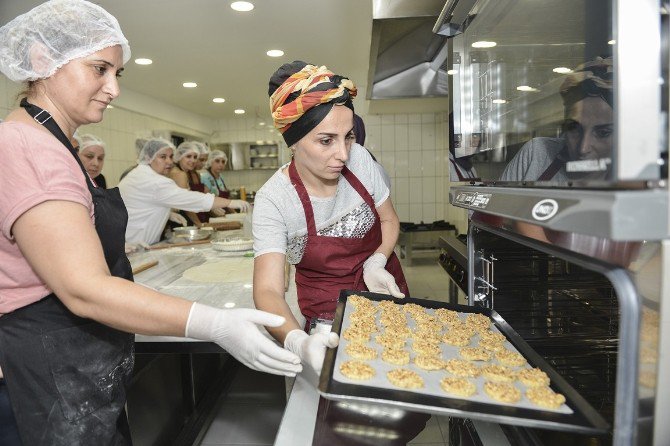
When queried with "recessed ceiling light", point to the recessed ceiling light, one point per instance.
{"points": [[239, 111], [242, 6], [611, 42], [526, 88], [562, 70], [275, 53], [452, 72], [229, 304], [499, 101], [483, 44], [219, 100], [189, 84], [110, 106], [143, 61], [261, 123]]}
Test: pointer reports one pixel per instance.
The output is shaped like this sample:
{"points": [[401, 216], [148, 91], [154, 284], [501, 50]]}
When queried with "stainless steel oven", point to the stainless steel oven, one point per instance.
{"points": [[560, 111]]}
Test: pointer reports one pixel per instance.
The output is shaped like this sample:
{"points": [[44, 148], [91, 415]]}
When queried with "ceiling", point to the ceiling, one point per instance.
{"points": [[205, 41]]}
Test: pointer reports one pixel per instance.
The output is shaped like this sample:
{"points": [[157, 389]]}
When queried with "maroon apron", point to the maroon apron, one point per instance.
{"points": [[198, 187], [331, 264]]}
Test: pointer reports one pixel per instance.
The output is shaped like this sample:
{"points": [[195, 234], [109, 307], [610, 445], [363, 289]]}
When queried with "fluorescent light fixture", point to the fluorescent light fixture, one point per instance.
{"points": [[452, 72], [612, 42], [110, 106], [499, 101], [483, 44], [562, 70], [275, 53], [526, 88], [242, 6], [219, 100], [229, 305], [143, 61], [189, 84], [239, 111]]}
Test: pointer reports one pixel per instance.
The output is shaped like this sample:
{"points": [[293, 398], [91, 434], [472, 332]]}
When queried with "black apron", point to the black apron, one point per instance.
{"points": [[67, 376]]}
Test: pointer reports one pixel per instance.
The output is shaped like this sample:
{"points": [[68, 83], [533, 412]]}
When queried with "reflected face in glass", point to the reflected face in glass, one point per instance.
{"points": [[589, 129], [162, 162]]}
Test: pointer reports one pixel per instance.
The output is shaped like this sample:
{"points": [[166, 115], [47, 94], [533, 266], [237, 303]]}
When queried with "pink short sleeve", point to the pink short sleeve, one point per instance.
{"points": [[35, 168]]}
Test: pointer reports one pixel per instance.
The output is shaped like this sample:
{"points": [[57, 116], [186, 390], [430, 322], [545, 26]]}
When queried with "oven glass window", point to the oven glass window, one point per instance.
{"points": [[533, 92]]}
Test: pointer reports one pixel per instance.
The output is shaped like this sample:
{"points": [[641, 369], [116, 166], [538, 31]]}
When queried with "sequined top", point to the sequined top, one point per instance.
{"points": [[279, 220]]}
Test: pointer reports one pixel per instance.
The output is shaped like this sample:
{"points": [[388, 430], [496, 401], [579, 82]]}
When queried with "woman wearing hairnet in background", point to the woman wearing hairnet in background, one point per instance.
{"points": [[149, 195], [212, 177], [184, 173], [68, 303], [91, 152]]}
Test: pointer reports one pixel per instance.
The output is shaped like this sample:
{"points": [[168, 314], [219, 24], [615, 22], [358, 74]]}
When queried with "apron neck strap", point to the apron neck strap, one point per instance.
{"points": [[44, 118], [304, 198]]}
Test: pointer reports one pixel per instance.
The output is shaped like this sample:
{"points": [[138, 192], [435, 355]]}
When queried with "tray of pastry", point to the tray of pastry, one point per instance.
{"points": [[455, 360]]}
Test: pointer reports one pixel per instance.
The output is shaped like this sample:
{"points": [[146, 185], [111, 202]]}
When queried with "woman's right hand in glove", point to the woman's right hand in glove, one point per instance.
{"points": [[237, 332], [241, 205]]}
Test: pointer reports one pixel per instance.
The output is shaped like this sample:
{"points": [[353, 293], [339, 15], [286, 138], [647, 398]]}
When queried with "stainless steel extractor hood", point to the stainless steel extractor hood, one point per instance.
{"points": [[407, 59]]}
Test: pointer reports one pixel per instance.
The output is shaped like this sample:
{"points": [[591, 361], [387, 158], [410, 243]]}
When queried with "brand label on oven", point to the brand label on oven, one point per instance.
{"points": [[473, 199], [545, 209]]}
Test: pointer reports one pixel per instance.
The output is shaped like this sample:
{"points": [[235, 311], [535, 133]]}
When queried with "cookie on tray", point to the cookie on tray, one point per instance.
{"points": [[389, 305], [401, 331], [491, 345], [462, 368], [356, 334], [456, 338], [447, 316], [357, 370], [475, 354], [462, 328], [429, 362], [397, 356], [361, 317], [458, 386], [407, 379], [429, 326], [388, 319], [498, 373], [360, 301], [428, 336], [510, 358], [368, 326], [504, 392], [545, 397], [390, 341], [533, 377], [425, 347], [359, 350], [492, 336], [413, 308], [477, 320]]}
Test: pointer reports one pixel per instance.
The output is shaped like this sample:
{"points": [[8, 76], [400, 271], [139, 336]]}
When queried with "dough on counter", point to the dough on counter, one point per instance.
{"points": [[232, 270]]}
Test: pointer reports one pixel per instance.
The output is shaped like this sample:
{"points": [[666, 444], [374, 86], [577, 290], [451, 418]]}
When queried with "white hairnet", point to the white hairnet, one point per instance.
{"points": [[88, 140], [139, 143], [151, 149], [204, 150], [185, 148], [216, 154], [53, 34]]}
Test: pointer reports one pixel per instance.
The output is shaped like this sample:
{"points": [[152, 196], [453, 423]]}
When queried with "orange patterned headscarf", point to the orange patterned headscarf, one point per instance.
{"points": [[302, 92]]}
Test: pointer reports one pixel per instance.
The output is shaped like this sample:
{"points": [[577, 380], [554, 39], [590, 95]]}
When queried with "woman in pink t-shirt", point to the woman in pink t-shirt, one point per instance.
{"points": [[67, 302]]}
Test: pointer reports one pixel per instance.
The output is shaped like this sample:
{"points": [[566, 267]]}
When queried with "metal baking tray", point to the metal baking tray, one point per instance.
{"points": [[583, 419]]}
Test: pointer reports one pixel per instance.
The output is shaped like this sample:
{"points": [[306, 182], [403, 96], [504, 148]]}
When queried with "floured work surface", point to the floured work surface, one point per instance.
{"points": [[449, 359]]}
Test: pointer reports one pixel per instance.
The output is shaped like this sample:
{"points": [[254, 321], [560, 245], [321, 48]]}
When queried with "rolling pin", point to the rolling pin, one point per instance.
{"points": [[144, 267], [172, 245]]}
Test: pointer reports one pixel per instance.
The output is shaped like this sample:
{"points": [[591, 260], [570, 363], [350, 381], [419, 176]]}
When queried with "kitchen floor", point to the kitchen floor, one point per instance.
{"points": [[251, 412]]}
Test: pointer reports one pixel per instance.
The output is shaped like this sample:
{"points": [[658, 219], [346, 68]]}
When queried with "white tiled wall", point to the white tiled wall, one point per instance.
{"points": [[411, 147]]}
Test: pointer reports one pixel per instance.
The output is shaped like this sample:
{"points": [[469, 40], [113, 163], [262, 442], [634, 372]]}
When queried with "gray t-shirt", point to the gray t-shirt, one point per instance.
{"points": [[533, 159], [279, 223]]}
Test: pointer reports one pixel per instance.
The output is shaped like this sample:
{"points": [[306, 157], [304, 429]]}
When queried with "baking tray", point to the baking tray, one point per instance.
{"points": [[582, 419]]}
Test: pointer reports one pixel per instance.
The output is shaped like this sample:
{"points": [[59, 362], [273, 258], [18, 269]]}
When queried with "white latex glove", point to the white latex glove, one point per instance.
{"points": [[377, 279], [243, 206], [177, 218], [310, 348], [134, 247], [237, 332]]}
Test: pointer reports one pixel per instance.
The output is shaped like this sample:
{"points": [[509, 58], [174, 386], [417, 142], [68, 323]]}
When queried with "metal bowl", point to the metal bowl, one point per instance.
{"points": [[192, 233]]}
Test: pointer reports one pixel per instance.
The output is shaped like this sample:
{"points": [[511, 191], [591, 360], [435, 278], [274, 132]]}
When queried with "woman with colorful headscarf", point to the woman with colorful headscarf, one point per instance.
{"points": [[68, 304], [584, 149], [328, 211]]}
